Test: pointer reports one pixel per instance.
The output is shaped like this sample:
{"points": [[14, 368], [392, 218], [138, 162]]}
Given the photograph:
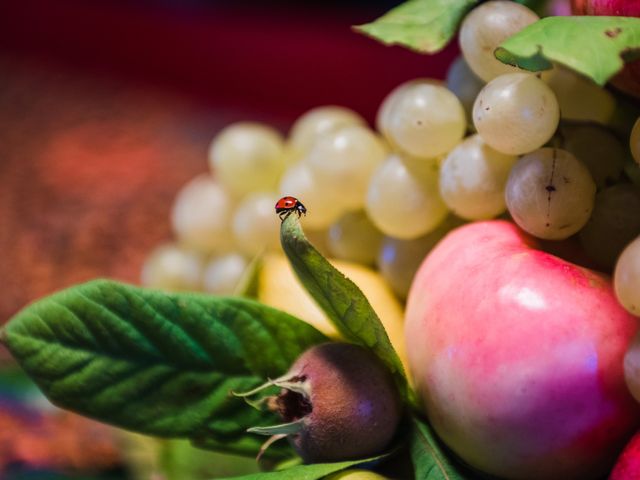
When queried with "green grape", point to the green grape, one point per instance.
{"points": [[173, 268], [550, 193], [485, 28], [398, 260], [626, 277], [223, 274], [320, 121], [201, 215], [614, 223], [579, 98], [343, 161], [353, 237], [465, 85], [600, 150], [255, 225], [473, 178], [403, 199], [634, 141], [516, 113], [247, 157], [322, 210], [423, 120]]}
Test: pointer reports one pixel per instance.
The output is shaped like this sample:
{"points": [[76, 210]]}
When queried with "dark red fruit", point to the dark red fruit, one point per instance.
{"points": [[339, 402], [623, 8], [628, 464]]}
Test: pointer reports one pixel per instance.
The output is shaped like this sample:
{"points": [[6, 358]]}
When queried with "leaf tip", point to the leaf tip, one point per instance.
{"points": [[359, 28]]}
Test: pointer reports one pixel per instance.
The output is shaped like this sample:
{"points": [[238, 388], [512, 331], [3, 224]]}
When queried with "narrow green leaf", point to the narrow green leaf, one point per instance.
{"points": [[156, 363], [341, 299], [425, 26], [430, 461], [311, 472], [593, 46]]}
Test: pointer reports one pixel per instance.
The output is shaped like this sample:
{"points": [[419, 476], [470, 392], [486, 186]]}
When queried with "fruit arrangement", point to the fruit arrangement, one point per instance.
{"points": [[501, 207]]}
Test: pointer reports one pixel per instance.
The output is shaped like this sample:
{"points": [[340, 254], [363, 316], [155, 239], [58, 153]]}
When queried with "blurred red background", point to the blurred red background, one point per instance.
{"points": [[107, 107]]}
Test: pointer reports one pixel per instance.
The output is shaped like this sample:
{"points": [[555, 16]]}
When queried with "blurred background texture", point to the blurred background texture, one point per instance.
{"points": [[107, 108]]}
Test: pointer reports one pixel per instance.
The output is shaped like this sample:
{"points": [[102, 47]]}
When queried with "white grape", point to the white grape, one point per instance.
{"points": [[247, 157], [255, 225], [465, 85], [223, 274], [473, 178], [354, 237], [320, 121], [403, 199], [485, 28], [614, 223], [634, 141], [343, 161], [424, 120], [626, 277], [201, 215], [516, 113], [398, 260], [322, 210], [579, 98], [172, 268], [550, 193], [383, 115], [600, 150]]}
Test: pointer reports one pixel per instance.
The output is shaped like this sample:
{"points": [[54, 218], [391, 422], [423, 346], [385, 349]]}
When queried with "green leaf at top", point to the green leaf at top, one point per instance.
{"points": [[430, 461], [311, 472], [593, 46], [425, 26], [343, 302], [156, 363]]}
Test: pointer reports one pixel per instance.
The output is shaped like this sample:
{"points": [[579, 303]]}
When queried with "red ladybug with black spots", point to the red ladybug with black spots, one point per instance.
{"points": [[287, 205]]}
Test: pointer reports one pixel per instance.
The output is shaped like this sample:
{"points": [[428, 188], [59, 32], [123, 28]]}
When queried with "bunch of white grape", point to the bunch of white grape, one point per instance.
{"points": [[490, 141]]}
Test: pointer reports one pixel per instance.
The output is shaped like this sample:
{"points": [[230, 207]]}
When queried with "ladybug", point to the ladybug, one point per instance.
{"points": [[286, 205]]}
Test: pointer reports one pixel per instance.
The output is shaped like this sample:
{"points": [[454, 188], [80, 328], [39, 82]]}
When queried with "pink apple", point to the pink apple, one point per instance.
{"points": [[622, 8], [518, 356], [628, 465]]}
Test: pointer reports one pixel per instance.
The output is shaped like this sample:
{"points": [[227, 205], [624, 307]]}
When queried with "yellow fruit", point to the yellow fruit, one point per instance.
{"points": [[356, 475], [280, 288]]}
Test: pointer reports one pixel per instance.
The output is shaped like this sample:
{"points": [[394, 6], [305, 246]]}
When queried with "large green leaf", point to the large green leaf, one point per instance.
{"points": [[593, 46], [341, 299], [156, 363], [311, 472], [429, 459], [425, 26]]}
